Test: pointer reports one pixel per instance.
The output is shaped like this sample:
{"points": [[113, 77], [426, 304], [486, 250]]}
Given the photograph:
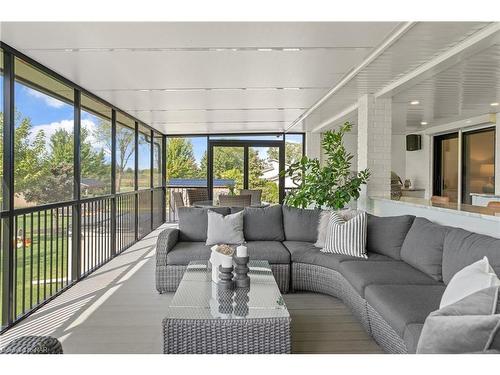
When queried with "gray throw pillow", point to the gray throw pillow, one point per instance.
{"points": [[385, 235], [193, 222], [300, 224], [423, 247], [263, 224], [225, 229], [470, 325]]}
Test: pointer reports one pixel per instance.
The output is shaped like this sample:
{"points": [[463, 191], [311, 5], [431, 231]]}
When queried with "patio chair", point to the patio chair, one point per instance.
{"points": [[196, 195], [256, 195], [235, 200], [178, 199]]}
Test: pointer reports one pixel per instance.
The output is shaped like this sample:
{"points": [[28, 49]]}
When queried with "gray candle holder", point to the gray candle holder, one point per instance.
{"points": [[241, 278], [226, 277]]}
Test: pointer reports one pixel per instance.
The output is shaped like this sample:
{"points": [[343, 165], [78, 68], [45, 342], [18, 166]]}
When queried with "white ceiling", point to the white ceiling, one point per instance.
{"points": [[185, 77], [212, 77], [463, 86]]}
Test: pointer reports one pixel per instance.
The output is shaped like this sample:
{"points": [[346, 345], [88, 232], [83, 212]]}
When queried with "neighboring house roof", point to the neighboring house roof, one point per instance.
{"points": [[199, 182], [91, 183]]}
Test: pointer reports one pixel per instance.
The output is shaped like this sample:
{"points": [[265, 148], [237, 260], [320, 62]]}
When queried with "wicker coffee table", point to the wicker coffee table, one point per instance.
{"points": [[203, 318]]}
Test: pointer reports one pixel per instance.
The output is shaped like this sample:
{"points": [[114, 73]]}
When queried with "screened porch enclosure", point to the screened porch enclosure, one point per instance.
{"points": [[81, 182]]}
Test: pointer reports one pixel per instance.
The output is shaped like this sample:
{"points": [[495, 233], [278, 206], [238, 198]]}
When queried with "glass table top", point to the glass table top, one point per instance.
{"points": [[197, 297]]}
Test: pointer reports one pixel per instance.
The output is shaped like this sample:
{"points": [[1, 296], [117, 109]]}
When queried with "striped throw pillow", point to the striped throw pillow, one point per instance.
{"points": [[347, 237]]}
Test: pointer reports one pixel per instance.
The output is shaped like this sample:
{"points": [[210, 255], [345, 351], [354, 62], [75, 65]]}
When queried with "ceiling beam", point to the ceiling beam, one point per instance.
{"points": [[367, 61], [338, 117]]}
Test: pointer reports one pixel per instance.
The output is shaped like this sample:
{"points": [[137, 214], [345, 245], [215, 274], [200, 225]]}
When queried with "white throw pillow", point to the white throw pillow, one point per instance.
{"points": [[468, 280], [225, 229], [324, 218], [347, 237]]}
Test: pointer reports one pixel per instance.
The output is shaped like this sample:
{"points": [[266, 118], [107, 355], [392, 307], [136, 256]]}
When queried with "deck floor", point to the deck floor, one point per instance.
{"points": [[117, 310]]}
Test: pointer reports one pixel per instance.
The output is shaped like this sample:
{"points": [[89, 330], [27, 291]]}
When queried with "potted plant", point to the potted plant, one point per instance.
{"points": [[332, 185]]}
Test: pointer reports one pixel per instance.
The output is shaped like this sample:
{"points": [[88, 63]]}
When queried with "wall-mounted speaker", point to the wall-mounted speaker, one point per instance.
{"points": [[413, 142]]}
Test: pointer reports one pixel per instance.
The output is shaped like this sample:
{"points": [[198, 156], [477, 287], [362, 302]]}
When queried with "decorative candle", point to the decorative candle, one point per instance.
{"points": [[241, 251], [226, 261]]}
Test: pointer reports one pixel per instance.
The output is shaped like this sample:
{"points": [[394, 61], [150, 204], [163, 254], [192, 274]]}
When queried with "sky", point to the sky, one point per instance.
{"points": [[200, 144], [50, 114]]}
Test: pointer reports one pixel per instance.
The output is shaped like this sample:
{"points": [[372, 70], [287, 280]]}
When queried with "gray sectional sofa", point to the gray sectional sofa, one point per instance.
{"points": [[410, 261]]}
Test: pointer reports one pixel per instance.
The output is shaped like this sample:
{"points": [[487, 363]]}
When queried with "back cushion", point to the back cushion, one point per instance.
{"points": [[300, 224], [423, 247], [263, 224], [462, 248], [193, 222], [385, 235]]}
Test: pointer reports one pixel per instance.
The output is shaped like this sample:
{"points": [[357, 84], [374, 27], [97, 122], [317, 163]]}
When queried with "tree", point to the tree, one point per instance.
{"points": [[293, 152], [332, 185], [125, 146], [29, 153], [181, 162]]}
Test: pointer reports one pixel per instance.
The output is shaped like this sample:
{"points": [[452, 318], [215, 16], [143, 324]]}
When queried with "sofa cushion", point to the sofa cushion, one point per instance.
{"points": [[462, 248], [272, 251], [385, 235], [401, 305], [300, 224], [263, 224], [185, 252], [423, 247], [193, 222], [361, 273], [411, 336], [307, 252]]}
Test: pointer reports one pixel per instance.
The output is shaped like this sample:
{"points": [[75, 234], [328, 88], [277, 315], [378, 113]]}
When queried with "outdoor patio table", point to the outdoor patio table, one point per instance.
{"points": [[210, 204]]}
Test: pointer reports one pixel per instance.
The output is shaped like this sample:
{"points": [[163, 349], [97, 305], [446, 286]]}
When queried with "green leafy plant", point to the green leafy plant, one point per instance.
{"points": [[332, 185]]}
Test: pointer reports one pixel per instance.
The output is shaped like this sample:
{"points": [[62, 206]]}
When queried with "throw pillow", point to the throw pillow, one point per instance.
{"points": [[324, 218], [347, 237], [470, 325], [477, 276], [225, 229]]}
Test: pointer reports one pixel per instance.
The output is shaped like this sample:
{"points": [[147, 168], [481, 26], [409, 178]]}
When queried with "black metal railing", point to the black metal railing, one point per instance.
{"points": [[144, 213], [41, 258], [125, 221], [95, 234], [158, 205]]}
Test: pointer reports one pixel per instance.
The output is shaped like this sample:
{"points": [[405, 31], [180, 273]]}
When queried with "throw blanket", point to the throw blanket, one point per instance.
{"points": [[467, 326]]}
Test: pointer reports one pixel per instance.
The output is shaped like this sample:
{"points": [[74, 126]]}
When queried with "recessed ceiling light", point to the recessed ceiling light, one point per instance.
{"points": [[291, 88], [264, 49], [494, 104], [423, 123], [291, 49], [414, 102], [144, 90]]}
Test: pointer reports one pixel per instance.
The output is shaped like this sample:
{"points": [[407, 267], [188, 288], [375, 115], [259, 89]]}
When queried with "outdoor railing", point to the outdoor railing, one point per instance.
{"points": [[41, 259], [56, 245]]}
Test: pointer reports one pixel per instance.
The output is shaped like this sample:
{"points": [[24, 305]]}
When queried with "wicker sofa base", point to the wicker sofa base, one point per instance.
{"points": [[169, 277], [233, 336], [324, 280], [383, 333]]}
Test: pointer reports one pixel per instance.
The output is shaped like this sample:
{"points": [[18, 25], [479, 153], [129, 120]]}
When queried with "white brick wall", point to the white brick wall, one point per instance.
{"points": [[374, 145]]}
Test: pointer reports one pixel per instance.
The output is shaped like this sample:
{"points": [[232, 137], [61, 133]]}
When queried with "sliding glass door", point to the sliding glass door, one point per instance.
{"points": [[446, 151], [478, 164], [246, 164]]}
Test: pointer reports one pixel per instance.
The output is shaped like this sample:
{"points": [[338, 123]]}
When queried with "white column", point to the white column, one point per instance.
{"points": [[374, 146], [497, 155], [313, 145]]}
